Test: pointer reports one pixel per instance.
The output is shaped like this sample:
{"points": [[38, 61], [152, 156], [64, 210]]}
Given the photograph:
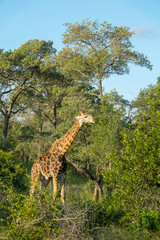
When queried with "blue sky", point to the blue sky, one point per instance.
{"points": [[22, 20]]}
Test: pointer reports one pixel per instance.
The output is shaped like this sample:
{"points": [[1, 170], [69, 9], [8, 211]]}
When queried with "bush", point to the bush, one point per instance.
{"points": [[7, 144], [29, 219], [147, 219], [12, 173], [13, 180]]}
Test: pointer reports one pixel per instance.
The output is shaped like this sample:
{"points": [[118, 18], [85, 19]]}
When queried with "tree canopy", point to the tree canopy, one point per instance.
{"points": [[21, 71], [93, 51]]}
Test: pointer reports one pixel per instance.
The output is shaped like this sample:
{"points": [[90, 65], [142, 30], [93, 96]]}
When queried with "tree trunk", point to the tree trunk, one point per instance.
{"points": [[100, 88], [27, 159], [22, 156], [97, 192], [55, 116], [5, 127]]}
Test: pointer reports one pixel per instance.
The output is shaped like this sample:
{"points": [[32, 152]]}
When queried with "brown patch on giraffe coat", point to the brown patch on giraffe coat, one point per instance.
{"points": [[67, 145], [44, 159], [56, 163], [54, 156], [60, 160], [63, 140]]}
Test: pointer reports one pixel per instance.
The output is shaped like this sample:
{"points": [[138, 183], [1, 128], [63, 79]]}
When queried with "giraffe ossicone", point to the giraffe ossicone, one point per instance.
{"points": [[53, 165]]}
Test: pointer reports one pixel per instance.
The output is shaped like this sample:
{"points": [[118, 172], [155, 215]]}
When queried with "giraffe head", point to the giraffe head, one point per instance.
{"points": [[84, 118]]}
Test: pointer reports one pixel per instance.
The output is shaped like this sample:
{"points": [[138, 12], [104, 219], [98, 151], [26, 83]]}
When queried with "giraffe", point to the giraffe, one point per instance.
{"points": [[53, 165]]}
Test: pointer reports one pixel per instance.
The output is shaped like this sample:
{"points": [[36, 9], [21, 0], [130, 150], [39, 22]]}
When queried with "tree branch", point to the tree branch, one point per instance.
{"points": [[88, 175], [81, 170], [83, 74]]}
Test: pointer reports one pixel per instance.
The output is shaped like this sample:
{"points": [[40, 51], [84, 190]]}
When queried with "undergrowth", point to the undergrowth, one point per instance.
{"points": [[23, 218]]}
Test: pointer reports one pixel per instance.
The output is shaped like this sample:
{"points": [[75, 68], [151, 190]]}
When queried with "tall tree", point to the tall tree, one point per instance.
{"points": [[21, 71], [94, 51]]}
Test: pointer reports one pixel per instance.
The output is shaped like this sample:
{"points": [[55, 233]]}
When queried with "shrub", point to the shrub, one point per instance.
{"points": [[29, 219], [12, 173], [147, 219]]}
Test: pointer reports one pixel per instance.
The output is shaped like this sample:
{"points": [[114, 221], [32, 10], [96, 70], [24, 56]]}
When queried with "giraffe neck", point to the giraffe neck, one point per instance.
{"points": [[66, 141]]}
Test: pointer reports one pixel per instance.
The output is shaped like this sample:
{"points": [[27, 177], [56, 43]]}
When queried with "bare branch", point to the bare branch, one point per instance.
{"points": [[89, 176], [85, 75]]}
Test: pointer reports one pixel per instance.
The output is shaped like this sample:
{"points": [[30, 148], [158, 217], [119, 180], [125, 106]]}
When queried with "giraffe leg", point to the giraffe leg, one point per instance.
{"points": [[32, 189], [34, 179], [62, 188], [61, 192], [55, 187]]}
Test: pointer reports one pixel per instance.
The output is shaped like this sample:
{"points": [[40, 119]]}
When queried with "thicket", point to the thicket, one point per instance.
{"points": [[113, 177]]}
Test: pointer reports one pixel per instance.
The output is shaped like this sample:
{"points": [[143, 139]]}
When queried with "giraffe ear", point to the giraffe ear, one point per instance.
{"points": [[81, 112]]}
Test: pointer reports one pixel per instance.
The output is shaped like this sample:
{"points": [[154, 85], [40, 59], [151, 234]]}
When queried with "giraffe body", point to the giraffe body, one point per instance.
{"points": [[53, 165]]}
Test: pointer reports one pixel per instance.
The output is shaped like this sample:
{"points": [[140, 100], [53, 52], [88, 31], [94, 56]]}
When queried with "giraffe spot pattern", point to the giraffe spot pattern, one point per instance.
{"points": [[67, 145]]}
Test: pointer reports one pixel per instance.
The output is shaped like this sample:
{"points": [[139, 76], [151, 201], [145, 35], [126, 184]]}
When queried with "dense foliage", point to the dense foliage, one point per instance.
{"points": [[117, 158]]}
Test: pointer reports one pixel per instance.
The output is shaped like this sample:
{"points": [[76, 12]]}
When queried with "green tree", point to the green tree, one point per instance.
{"points": [[93, 51], [147, 96], [21, 72], [106, 133], [136, 169]]}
